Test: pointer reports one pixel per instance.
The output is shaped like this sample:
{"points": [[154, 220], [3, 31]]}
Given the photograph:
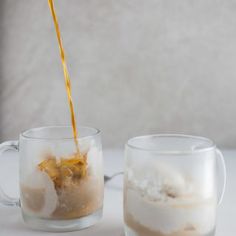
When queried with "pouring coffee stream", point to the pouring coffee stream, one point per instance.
{"points": [[68, 85], [66, 75]]}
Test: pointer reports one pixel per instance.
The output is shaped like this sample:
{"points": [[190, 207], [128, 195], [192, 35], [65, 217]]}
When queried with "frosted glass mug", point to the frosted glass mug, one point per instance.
{"points": [[172, 185], [58, 190]]}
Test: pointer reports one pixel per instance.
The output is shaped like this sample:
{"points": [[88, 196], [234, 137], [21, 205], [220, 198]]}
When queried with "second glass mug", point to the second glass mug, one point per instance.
{"points": [[172, 185], [58, 191]]}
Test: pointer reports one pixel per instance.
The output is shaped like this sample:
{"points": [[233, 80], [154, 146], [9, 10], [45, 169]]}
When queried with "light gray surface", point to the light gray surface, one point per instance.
{"points": [[136, 67], [11, 223]]}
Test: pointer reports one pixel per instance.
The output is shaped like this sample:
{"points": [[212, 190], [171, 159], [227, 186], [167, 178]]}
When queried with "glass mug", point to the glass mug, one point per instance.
{"points": [[59, 189], [172, 185]]}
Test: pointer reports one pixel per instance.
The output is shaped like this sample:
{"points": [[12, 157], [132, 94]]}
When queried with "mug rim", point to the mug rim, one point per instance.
{"points": [[210, 147], [24, 134]]}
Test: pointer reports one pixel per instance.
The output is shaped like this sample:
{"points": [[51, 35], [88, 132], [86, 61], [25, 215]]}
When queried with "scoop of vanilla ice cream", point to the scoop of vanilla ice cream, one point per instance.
{"points": [[162, 199], [158, 180], [38, 194]]}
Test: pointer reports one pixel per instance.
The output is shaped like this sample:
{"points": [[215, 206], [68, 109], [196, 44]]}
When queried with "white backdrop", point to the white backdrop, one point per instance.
{"points": [[136, 67]]}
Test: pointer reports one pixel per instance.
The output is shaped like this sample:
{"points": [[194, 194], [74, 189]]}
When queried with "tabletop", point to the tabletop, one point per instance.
{"points": [[11, 223]]}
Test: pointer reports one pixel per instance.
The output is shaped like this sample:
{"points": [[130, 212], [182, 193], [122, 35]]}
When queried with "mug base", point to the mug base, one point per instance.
{"points": [[62, 225], [131, 232]]}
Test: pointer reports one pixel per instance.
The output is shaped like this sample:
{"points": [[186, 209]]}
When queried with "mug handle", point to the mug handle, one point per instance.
{"points": [[222, 174], [4, 198]]}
